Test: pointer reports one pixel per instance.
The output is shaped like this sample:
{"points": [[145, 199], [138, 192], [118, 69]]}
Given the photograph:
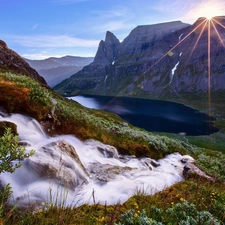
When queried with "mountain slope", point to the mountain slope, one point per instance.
{"points": [[55, 70], [168, 59], [11, 61], [58, 115]]}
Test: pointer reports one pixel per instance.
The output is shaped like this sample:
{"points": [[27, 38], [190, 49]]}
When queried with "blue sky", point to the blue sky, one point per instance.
{"points": [[38, 29]]}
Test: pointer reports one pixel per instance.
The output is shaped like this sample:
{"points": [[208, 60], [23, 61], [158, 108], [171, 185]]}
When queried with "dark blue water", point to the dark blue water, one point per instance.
{"points": [[154, 115]]}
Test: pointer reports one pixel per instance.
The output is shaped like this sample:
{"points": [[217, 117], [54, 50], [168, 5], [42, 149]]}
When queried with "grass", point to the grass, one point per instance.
{"points": [[167, 206], [58, 115], [21, 94]]}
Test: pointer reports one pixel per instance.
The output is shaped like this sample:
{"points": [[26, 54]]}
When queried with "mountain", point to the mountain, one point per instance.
{"points": [[29, 95], [54, 70], [11, 61], [167, 59]]}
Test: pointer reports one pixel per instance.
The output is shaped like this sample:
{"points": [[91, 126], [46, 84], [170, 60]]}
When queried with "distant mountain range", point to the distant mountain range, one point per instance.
{"points": [[54, 70], [167, 59]]}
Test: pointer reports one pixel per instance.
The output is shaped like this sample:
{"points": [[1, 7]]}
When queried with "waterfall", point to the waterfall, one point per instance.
{"points": [[82, 172]]}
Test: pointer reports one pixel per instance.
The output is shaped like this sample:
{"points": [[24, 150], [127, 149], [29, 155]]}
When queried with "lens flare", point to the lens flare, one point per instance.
{"points": [[208, 10]]}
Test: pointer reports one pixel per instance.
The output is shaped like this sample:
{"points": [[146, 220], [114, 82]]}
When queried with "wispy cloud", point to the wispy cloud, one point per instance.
{"points": [[34, 27], [119, 11], [40, 56], [188, 10], [115, 19], [113, 26], [51, 41]]}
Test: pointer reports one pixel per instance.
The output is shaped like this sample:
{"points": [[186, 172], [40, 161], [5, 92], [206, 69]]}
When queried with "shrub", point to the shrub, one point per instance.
{"points": [[182, 213], [10, 151], [213, 165]]}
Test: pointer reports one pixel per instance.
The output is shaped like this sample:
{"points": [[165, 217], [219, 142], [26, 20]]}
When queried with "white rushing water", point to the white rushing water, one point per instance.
{"points": [[75, 172]]}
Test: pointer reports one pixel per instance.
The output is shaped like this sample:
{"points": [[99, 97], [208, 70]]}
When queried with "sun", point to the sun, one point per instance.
{"points": [[209, 10]]}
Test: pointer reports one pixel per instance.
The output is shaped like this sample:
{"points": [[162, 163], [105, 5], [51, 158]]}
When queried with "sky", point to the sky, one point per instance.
{"points": [[39, 29]]}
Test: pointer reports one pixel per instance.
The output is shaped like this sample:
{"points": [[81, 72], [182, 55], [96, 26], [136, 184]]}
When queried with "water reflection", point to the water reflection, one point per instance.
{"points": [[153, 115]]}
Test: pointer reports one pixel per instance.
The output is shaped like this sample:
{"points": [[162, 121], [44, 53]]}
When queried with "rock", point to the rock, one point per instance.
{"points": [[191, 168], [105, 172], [107, 50], [3, 44], [57, 161], [107, 150], [150, 163]]}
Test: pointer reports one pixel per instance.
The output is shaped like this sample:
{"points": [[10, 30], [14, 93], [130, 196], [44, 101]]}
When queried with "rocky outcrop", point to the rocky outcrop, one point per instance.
{"points": [[168, 59], [11, 61], [107, 50], [59, 162], [191, 168]]}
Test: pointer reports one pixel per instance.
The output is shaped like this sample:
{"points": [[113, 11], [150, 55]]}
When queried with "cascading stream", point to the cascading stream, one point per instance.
{"points": [[66, 170]]}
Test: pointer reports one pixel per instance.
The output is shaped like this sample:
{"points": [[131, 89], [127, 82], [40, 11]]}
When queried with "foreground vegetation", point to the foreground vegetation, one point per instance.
{"points": [[21, 94], [193, 201]]}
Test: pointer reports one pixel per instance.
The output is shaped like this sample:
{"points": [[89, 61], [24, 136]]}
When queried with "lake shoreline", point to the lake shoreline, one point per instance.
{"points": [[145, 109]]}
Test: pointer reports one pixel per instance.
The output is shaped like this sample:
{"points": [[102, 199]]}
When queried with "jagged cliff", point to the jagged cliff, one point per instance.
{"points": [[155, 60]]}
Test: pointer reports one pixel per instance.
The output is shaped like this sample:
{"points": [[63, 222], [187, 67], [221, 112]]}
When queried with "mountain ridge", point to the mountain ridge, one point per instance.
{"points": [[56, 69], [147, 63]]}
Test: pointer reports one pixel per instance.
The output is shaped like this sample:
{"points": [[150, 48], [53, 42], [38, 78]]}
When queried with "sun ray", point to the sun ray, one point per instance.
{"points": [[209, 66], [219, 36], [209, 23], [175, 46], [183, 39], [203, 28], [217, 32], [218, 23]]}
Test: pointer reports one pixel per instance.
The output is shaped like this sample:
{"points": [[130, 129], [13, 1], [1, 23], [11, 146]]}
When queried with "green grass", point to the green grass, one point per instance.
{"points": [[58, 115], [188, 198], [62, 116]]}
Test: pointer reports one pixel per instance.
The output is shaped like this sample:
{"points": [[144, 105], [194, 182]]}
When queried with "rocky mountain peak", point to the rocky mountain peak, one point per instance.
{"points": [[3, 44], [107, 50], [166, 59], [111, 39]]}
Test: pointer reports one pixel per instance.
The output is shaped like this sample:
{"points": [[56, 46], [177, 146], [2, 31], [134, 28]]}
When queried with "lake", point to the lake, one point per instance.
{"points": [[153, 115]]}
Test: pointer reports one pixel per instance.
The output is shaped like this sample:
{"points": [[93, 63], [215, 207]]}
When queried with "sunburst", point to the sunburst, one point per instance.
{"points": [[209, 21]]}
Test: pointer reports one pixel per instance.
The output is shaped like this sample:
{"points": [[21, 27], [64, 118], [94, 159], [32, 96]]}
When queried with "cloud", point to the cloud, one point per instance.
{"points": [[58, 54], [113, 26], [39, 56], [190, 10], [34, 27], [118, 11], [51, 41], [115, 19]]}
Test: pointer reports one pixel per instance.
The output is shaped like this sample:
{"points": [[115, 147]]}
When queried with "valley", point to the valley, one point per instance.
{"points": [[92, 166]]}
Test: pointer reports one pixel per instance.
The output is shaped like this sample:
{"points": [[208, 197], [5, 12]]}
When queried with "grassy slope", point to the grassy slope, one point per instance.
{"points": [[59, 115], [23, 95]]}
